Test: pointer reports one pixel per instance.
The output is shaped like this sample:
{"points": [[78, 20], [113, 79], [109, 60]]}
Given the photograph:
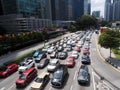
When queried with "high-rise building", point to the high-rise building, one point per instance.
{"points": [[87, 7], [96, 14], [116, 10], [108, 10], [25, 14], [81, 7], [59, 9]]}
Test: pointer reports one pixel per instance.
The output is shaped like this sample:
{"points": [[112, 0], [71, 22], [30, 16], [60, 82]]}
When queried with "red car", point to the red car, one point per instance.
{"points": [[76, 48], [26, 77], [70, 62], [86, 51], [7, 70]]}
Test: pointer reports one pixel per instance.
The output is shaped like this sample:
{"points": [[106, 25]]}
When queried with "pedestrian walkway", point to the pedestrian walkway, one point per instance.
{"points": [[105, 53]]}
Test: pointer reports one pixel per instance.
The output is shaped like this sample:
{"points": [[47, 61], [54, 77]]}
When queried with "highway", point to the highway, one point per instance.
{"points": [[101, 73]]}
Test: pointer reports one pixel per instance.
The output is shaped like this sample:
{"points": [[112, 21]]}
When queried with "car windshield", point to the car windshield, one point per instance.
{"points": [[22, 76], [82, 73], [4, 69], [39, 80], [42, 61], [52, 64], [57, 75], [63, 53], [69, 60], [23, 64]]}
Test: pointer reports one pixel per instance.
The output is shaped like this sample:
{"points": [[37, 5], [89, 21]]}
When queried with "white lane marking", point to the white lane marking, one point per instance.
{"points": [[75, 75], [11, 87], [71, 88], [93, 81], [2, 88], [50, 88], [106, 85]]}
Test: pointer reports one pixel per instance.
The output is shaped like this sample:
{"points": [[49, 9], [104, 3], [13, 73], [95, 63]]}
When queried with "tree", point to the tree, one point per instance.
{"points": [[72, 28], [109, 39], [86, 22]]}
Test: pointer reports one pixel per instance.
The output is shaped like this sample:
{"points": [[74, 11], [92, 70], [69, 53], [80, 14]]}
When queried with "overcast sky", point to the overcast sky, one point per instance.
{"points": [[98, 5]]}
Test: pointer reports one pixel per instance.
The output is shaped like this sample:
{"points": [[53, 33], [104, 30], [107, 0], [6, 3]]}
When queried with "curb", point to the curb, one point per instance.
{"points": [[107, 60]]}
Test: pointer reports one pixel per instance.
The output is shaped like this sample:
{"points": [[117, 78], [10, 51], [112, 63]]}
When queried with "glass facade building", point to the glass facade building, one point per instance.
{"points": [[26, 13]]}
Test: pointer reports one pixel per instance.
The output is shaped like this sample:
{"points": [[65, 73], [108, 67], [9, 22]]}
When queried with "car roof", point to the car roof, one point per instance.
{"points": [[28, 70], [10, 65], [41, 75], [54, 61]]}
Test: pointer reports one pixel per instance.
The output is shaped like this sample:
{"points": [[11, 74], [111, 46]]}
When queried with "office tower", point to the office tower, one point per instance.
{"points": [[116, 10], [81, 7], [96, 14], [108, 10], [25, 14], [59, 9]]}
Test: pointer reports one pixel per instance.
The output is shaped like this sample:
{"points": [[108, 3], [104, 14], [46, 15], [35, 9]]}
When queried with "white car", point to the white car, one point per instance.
{"points": [[75, 54], [53, 65], [51, 49], [40, 81], [26, 65]]}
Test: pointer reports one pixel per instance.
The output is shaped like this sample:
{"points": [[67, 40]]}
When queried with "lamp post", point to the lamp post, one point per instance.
{"points": [[45, 42]]}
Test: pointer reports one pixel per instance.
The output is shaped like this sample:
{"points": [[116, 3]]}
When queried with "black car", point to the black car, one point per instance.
{"points": [[62, 55], [43, 63], [59, 76], [83, 75], [85, 59], [40, 57]]}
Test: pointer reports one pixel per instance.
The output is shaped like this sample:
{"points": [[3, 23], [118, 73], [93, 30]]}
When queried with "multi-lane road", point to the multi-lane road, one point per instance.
{"points": [[102, 75]]}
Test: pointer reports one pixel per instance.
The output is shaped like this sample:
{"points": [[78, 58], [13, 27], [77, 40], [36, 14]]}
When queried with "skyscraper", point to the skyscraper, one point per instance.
{"points": [[108, 10], [96, 14], [116, 10], [25, 14], [81, 7]]}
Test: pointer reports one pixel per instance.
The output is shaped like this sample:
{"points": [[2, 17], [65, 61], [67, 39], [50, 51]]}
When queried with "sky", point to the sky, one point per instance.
{"points": [[98, 5]]}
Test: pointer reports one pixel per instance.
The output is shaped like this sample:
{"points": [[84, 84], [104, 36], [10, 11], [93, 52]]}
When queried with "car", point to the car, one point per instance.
{"points": [[62, 55], [26, 65], [40, 56], [9, 69], [26, 77], [85, 59], [53, 65], [36, 53], [77, 48], [70, 62], [75, 54], [69, 48], [44, 62], [83, 75], [45, 49], [60, 48], [53, 54], [51, 49], [59, 76], [40, 82]]}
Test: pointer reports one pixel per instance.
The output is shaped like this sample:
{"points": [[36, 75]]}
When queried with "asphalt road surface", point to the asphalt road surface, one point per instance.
{"points": [[102, 75]]}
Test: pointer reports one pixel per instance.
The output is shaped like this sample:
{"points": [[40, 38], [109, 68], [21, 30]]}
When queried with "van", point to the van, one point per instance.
{"points": [[26, 77]]}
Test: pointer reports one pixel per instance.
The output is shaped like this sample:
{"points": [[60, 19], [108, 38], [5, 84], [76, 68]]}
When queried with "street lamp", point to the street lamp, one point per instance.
{"points": [[45, 42]]}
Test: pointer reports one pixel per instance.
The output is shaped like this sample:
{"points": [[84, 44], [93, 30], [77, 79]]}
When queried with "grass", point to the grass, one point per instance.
{"points": [[116, 52]]}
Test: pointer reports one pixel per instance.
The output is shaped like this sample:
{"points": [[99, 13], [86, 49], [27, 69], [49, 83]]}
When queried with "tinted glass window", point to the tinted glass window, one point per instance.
{"points": [[39, 80], [57, 75]]}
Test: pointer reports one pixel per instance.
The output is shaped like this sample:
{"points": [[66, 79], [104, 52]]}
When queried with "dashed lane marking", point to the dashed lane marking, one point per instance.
{"points": [[71, 88], [75, 75], [2, 88]]}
